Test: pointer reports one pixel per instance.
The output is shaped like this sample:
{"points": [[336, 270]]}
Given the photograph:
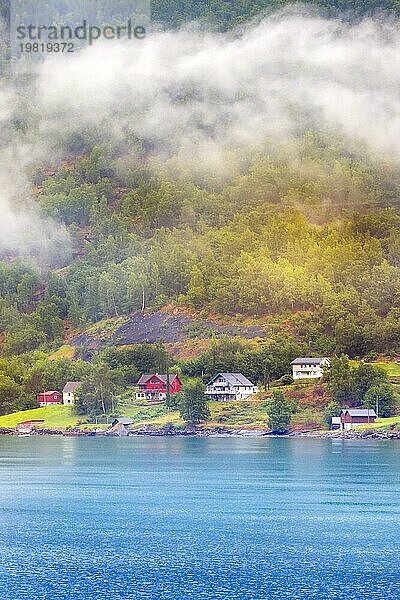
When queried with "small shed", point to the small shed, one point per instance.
{"points": [[125, 421], [119, 426], [29, 426], [349, 417]]}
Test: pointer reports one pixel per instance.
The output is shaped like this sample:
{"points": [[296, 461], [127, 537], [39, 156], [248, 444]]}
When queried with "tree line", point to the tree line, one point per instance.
{"points": [[311, 249], [110, 377]]}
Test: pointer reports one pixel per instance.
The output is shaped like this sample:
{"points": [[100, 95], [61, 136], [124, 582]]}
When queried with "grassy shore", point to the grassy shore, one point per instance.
{"points": [[381, 423], [241, 414], [55, 417], [245, 414]]}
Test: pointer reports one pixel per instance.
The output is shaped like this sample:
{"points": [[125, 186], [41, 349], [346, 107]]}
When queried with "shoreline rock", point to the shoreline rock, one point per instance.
{"points": [[198, 432], [202, 432]]}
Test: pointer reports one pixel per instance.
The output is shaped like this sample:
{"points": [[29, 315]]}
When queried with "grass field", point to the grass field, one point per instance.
{"points": [[61, 417], [392, 369], [55, 417], [381, 423], [246, 414], [63, 352]]}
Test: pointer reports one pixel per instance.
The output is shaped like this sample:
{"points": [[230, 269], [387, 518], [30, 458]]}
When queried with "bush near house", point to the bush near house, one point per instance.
{"points": [[280, 411], [192, 402]]}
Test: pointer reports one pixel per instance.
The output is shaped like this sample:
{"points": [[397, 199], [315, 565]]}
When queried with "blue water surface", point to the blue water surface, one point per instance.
{"points": [[179, 519]]}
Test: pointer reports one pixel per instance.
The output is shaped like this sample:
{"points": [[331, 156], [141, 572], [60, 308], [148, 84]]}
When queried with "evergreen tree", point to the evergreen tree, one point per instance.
{"points": [[96, 394], [331, 410], [193, 406], [349, 384], [381, 398], [279, 412]]}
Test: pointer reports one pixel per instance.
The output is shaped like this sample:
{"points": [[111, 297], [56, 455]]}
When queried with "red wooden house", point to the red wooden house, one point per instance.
{"points": [[153, 387], [49, 398], [356, 416]]}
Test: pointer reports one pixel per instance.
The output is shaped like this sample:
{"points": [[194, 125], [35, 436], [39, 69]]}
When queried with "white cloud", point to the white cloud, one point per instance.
{"points": [[199, 94]]}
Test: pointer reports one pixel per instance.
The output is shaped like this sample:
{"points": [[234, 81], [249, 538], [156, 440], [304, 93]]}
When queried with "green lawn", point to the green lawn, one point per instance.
{"points": [[244, 414], [55, 417], [64, 351], [61, 417], [241, 414], [379, 423], [391, 368]]}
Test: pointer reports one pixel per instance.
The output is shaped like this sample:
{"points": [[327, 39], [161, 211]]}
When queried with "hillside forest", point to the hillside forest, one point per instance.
{"points": [[301, 238]]}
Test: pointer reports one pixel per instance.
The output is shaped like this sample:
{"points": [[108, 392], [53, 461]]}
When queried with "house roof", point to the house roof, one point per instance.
{"points": [[123, 421], [162, 376], [71, 386], [235, 379], [359, 412], [48, 393], [307, 361]]}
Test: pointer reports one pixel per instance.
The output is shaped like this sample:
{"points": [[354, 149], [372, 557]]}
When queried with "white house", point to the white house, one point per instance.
{"points": [[230, 386], [309, 368], [69, 391]]}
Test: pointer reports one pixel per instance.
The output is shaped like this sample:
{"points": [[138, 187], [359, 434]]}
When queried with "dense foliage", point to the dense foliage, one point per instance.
{"points": [[224, 14], [381, 398], [193, 406], [220, 14], [24, 376], [95, 396], [359, 385], [262, 362], [280, 412], [278, 241], [302, 237]]}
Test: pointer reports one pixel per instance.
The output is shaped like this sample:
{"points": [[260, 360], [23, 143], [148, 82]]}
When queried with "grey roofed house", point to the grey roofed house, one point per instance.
{"points": [[359, 412], [307, 361], [69, 390], [71, 386], [309, 367], [235, 379], [230, 386]]}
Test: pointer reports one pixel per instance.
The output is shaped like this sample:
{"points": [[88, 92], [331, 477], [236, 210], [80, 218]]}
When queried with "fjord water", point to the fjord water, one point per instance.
{"points": [[178, 519]]}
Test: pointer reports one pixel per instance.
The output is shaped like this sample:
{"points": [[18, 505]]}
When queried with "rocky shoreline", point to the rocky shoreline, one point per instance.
{"points": [[199, 432], [202, 432], [364, 435]]}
